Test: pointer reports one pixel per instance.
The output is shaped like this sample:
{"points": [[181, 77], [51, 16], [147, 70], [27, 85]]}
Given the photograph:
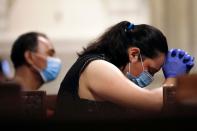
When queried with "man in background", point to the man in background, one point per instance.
{"points": [[33, 57]]}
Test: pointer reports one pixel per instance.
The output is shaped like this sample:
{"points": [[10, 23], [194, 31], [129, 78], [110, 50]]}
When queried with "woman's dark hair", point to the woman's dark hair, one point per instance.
{"points": [[27, 41], [115, 42]]}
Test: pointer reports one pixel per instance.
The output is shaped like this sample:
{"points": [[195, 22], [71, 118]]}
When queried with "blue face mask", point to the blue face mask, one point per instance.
{"points": [[52, 69], [144, 79]]}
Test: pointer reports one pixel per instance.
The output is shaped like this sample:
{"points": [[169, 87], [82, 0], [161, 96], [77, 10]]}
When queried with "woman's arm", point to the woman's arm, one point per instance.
{"points": [[108, 82]]}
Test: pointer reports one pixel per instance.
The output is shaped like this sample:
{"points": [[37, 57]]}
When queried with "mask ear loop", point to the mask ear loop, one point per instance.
{"points": [[150, 76], [141, 62], [129, 67]]}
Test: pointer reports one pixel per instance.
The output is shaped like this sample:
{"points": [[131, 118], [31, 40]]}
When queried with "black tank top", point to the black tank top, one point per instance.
{"points": [[71, 107]]}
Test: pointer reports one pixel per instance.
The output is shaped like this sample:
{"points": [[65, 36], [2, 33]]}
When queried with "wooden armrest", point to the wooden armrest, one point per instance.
{"points": [[169, 98], [187, 90], [34, 104]]}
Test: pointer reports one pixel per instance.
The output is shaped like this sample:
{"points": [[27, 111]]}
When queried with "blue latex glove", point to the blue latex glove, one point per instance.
{"points": [[189, 60], [190, 64], [178, 62]]}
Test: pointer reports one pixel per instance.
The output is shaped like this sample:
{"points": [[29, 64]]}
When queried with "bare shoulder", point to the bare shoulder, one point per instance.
{"points": [[103, 77], [102, 65], [109, 83], [102, 68]]}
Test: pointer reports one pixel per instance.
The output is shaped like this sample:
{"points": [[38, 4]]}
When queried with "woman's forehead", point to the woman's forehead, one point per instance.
{"points": [[156, 62]]}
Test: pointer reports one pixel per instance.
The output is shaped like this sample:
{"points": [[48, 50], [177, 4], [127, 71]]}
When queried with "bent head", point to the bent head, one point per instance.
{"points": [[141, 69], [138, 62], [146, 53], [124, 43]]}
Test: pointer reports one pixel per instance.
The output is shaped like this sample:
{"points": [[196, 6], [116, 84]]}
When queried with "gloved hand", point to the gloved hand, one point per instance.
{"points": [[178, 62]]}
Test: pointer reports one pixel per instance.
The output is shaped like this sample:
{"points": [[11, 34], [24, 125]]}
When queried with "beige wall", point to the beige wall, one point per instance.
{"points": [[177, 19], [71, 24]]}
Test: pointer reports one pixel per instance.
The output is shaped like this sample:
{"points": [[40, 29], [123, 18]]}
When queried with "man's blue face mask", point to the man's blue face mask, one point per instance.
{"points": [[144, 79], [52, 69]]}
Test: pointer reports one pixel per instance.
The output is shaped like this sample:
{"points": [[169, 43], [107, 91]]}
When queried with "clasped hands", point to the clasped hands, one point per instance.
{"points": [[178, 62]]}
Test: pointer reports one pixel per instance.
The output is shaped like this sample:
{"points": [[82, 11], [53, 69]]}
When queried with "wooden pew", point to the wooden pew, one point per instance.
{"points": [[181, 100], [10, 101], [186, 95], [187, 90], [34, 105], [18, 104]]}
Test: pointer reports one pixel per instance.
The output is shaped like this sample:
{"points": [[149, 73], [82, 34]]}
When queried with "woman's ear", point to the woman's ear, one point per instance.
{"points": [[133, 54], [28, 57]]}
